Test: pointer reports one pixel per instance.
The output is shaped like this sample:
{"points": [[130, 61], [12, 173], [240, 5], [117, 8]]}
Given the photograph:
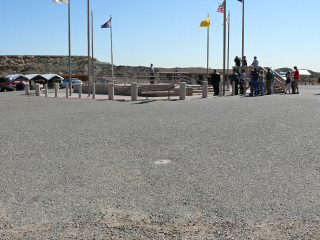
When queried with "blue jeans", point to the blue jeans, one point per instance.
{"points": [[261, 86], [254, 87]]}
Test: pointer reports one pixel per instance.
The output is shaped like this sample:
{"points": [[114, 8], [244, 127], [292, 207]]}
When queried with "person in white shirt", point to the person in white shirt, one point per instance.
{"points": [[255, 62]]}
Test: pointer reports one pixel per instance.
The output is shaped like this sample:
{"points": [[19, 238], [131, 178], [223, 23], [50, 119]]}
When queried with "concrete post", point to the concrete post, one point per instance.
{"points": [[220, 89], [233, 88], [93, 91], [37, 89], [244, 88], [134, 91], [27, 88], [56, 89], [111, 91], [182, 91], [205, 89], [67, 90], [80, 90], [46, 90]]}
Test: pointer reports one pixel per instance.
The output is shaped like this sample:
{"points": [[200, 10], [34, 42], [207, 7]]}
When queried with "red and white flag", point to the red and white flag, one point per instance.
{"points": [[221, 8]]}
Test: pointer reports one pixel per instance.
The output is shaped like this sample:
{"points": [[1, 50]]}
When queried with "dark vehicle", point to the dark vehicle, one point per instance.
{"points": [[7, 84]]}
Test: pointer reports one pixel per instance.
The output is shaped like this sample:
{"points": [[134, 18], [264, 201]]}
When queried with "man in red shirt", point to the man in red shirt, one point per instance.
{"points": [[296, 77]]}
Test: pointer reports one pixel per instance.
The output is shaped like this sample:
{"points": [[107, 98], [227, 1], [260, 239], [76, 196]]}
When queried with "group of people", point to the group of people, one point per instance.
{"points": [[292, 83], [238, 62], [258, 81]]}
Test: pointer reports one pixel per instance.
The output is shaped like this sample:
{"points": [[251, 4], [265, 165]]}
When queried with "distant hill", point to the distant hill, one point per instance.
{"points": [[30, 64]]}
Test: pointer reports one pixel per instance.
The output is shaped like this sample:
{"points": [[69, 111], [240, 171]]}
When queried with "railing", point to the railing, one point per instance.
{"points": [[279, 82]]}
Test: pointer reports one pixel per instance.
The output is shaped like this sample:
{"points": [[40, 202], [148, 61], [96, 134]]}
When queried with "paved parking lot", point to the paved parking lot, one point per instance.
{"points": [[216, 168]]}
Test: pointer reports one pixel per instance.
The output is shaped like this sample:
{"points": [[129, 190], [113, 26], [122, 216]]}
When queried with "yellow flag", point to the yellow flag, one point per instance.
{"points": [[205, 23]]}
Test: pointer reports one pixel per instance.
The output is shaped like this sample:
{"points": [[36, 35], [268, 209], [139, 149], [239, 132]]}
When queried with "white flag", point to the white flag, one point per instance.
{"points": [[60, 1], [228, 19]]}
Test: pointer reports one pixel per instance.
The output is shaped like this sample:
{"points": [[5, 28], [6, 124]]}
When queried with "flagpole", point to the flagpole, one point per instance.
{"points": [[111, 48], [69, 36], [228, 46], [88, 30], [224, 46], [92, 62], [242, 29], [208, 51]]}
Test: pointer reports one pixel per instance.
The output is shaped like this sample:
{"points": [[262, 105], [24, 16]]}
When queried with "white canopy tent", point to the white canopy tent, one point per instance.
{"points": [[16, 76], [47, 77], [304, 76], [303, 72]]}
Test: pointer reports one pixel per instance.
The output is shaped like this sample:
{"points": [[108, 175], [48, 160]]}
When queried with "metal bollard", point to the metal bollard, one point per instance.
{"points": [[46, 90], [27, 88], [56, 90], [205, 89], [220, 89], [93, 91], [67, 90], [233, 88], [80, 90], [111, 91], [134, 91], [37, 89], [183, 90]]}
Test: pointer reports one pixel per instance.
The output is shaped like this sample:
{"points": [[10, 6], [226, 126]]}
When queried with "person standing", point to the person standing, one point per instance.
{"points": [[288, 83], [255, 62], [215, 80], [235, 79], [296, 77], [272, 82], [242, 79], [254, 82], [269, 81], [261, 83], [237, 61], [244, 62], [151, 71]]}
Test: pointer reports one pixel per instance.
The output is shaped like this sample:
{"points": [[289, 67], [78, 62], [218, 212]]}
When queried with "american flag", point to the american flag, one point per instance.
{"points": [[221, 8]]}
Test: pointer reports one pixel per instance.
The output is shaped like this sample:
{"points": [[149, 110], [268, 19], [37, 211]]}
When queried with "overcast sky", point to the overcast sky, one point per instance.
{"points": [[281, 33]]}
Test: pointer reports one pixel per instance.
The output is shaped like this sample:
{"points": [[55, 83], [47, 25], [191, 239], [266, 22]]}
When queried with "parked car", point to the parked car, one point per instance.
{"points": [[74, 81], [7, 84]]}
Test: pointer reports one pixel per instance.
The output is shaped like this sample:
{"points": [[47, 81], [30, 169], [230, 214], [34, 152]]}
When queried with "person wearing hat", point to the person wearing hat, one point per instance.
{"points": [[296, 77]]}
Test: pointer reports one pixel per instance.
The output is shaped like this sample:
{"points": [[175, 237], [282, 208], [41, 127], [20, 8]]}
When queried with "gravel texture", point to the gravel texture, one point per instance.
{"points": [[216, 168]]}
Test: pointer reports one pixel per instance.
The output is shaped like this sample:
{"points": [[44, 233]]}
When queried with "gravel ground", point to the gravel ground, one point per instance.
{"points": [[217, 168]]}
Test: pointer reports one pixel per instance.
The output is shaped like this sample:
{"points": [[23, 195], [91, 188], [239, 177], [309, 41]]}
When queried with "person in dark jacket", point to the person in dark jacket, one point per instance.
{"points": [[215, 80], [254, 82], [269, 80], [242, 80], [235, 78], [237, 61]]}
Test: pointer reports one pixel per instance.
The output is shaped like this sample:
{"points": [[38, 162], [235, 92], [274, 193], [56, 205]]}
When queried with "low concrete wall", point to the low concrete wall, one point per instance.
{"points": [[126, 90]]}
